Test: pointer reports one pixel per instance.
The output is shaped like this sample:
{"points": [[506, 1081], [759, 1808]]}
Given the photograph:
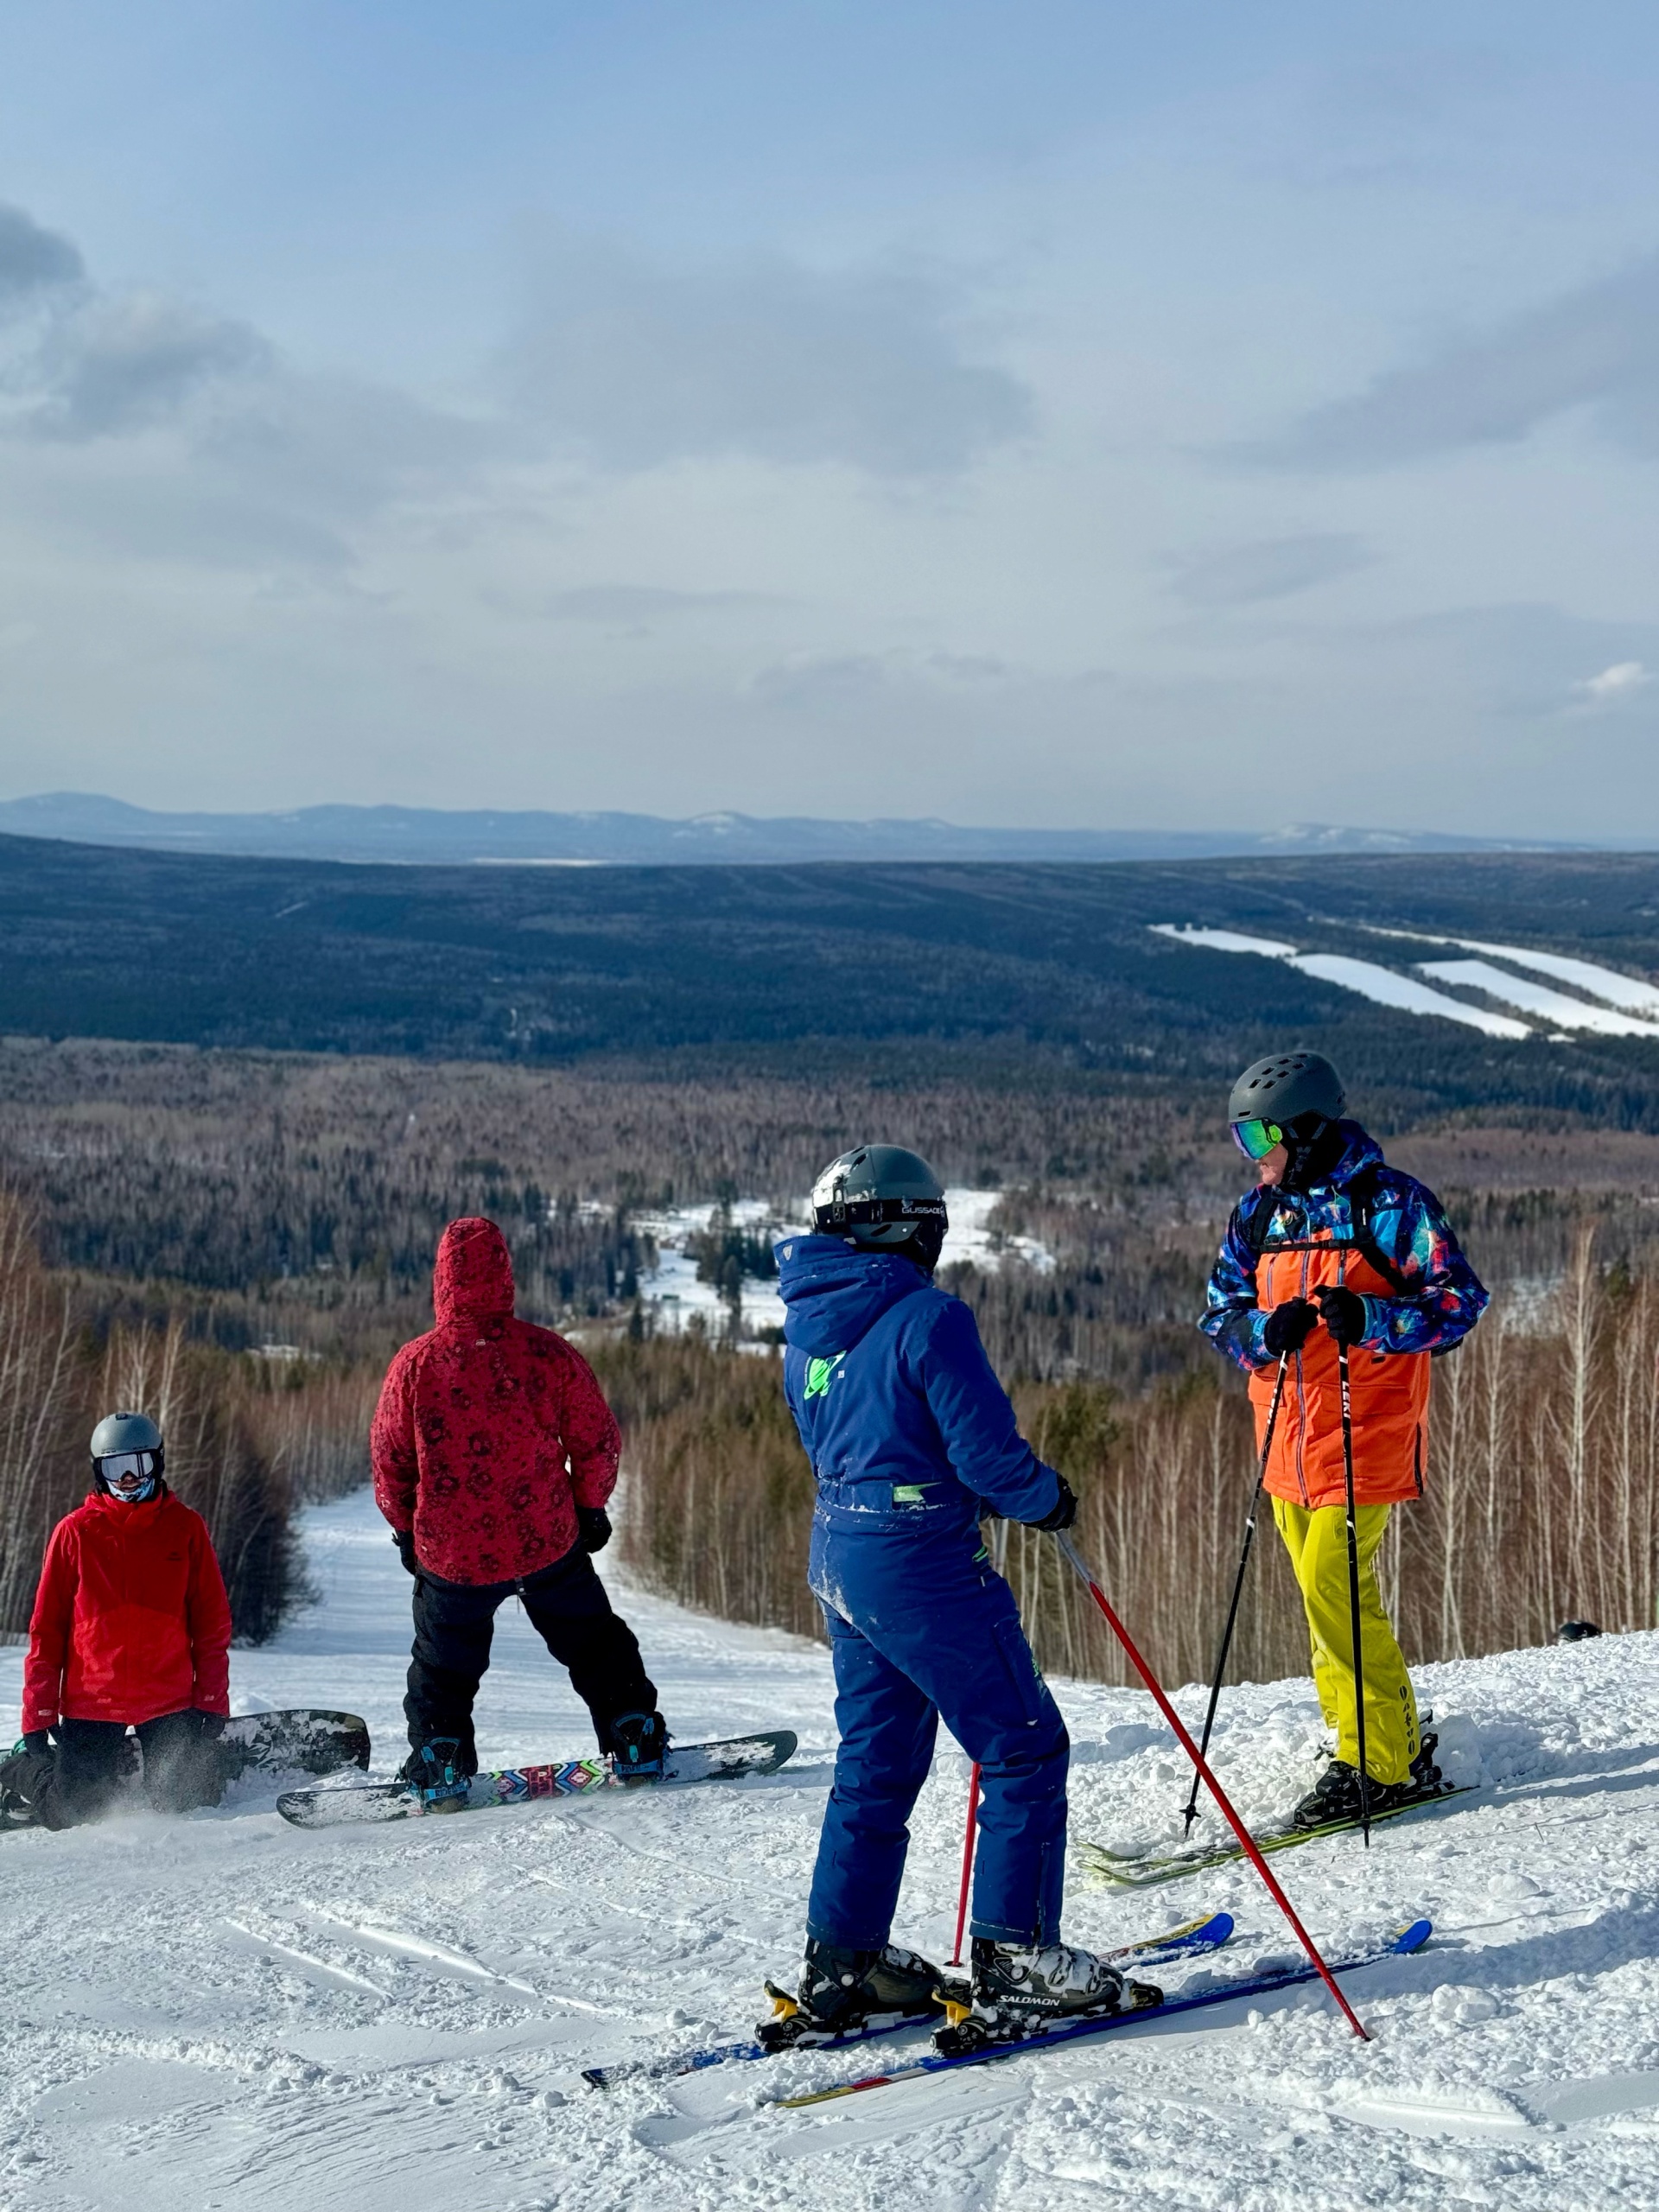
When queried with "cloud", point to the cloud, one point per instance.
{"points": [[1271, 569], [1596, 347], [631, 603], [635, 366], [1614, 683], [33, 260], [121, 363]]}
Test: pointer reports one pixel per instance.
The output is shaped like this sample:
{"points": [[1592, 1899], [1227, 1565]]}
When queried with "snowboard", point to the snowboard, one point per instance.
{"points": [[1127, 1872], [395, 1801], [296, 1742], [955, 2046]]}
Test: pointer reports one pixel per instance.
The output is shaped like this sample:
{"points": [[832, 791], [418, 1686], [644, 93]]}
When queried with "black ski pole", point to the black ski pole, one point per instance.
{"points": [[1353, 1589], [1191, 1812]]}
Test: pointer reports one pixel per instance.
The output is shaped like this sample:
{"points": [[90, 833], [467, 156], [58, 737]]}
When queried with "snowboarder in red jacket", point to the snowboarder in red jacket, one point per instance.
{"points": [[131, 1629], [494, 1454]]}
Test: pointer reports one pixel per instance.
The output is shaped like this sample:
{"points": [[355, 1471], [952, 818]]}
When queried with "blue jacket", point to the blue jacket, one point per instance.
{"points": [[904, 1422]]}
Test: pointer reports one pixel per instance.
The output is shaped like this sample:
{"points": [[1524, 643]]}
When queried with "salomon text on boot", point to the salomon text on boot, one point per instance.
{"points": [[1029, 1989], [843, 1992]]}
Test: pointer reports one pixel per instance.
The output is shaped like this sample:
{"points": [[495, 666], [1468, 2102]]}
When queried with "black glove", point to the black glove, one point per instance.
{"points": [[1062, 1513], [1289, 1327], [209, 1726], [1343, 1312], [593, 1528], [36, 1739], [404, 1539]]}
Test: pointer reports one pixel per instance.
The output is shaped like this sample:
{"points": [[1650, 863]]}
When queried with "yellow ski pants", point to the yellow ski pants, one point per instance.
{"points": [[1317, 1539]]}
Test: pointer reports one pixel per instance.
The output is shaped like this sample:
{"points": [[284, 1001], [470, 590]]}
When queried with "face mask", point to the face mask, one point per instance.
{"points": [[129, 1476]]}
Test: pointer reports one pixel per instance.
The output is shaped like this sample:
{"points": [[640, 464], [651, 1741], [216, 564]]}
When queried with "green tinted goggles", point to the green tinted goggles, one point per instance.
{"points": [[1256, 1138]]}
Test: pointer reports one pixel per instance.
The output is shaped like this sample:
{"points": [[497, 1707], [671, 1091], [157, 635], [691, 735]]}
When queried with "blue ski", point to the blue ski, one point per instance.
{"points": [[938, 2061], [1192, 1936]]}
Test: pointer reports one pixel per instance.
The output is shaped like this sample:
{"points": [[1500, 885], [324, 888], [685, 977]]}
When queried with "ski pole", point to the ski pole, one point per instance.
{"points": [[1347, 1403], [1191, 1812], [967, 1860], [1074, 1558]]}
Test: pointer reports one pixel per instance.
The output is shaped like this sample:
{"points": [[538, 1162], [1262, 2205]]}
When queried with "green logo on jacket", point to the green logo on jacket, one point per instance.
{"points": [[818, 1374]]}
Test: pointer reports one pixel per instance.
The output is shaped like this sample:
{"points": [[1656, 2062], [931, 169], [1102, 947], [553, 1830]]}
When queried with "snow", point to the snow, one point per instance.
{"points": [[1635, 993], [1533, 998], [674, 1295], [1384, 986], [228, 2012]]}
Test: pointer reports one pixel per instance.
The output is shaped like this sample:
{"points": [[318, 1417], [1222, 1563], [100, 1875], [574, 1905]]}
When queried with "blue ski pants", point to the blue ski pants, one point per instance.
{"points": [[922, 1628]]}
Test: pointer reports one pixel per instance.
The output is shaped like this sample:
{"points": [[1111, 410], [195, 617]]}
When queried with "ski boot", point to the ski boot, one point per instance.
{"points": [[639, 1745], [843, 1992], [1023, 1989], [435, 1776], [1427, 1780], [1334, 1799]]}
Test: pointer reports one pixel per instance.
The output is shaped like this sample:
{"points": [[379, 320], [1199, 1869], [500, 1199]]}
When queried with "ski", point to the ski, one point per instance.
{"points": [[1127, 1872], [377, 1801], [1193, 1937], [1256, 1985]]}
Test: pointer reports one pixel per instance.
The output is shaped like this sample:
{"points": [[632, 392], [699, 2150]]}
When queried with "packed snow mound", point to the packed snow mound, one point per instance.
{"points": [[228, 2012]]}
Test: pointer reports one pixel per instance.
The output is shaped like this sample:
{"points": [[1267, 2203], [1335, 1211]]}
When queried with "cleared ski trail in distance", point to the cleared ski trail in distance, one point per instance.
{"points": [[228, 2012]]}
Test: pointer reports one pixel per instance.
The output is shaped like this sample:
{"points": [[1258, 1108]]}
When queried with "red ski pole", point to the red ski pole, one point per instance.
{"points": [[1075, 1560], [967, 1860]]}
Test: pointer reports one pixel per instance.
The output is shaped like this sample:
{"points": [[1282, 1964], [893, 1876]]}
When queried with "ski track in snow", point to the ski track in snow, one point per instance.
{"points": [[226, 2012]]}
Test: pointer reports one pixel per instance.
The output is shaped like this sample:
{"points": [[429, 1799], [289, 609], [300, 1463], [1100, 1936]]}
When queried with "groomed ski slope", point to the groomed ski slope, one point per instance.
{"points": [[228, 2012]]}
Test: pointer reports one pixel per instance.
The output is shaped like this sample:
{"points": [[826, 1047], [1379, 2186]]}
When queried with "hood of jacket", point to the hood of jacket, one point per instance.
{"points": [[835, 1291], [472, 1279]]}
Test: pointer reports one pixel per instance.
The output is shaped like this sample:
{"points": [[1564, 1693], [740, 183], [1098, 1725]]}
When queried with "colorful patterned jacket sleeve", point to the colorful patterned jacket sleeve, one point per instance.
{"points": [[1231, 1319], [1444, 1297]]}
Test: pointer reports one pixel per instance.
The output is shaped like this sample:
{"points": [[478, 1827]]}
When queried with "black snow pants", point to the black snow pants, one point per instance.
{"points": [[81, 1780], [454, 1623]]}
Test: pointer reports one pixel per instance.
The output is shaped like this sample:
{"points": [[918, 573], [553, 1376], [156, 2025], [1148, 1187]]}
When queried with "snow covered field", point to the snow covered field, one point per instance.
{"points": [[228, 2012], [673, 1295]]}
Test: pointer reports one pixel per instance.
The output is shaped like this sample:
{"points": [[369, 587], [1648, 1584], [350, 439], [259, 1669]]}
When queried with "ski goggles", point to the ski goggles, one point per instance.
{"points": [[1256, 1138], [120, 1468]]}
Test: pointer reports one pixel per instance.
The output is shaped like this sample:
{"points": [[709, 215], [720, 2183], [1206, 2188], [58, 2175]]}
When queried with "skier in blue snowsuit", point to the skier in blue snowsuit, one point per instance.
{"points": [[912, 1440]]}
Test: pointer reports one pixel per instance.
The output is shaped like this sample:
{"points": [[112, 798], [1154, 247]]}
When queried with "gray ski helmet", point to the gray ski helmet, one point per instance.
{"points": [[126, 1433], [882, 1196], [1284, 1086]]}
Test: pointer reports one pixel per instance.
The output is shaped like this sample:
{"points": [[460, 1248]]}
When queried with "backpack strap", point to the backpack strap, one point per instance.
{"points": [[1254, 1222]]}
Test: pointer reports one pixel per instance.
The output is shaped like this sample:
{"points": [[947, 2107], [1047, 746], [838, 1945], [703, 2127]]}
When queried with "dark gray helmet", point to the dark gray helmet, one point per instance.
{"points": [[124, 1432], [1284, 1087], [882, 1196]]}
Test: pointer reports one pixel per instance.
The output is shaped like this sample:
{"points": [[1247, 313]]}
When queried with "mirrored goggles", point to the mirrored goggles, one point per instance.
{"points": [[1256, 1138], [118, 1467]]}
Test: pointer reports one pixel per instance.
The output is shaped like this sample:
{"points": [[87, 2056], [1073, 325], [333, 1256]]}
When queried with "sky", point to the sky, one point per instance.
{"points": [[1069, 413]]}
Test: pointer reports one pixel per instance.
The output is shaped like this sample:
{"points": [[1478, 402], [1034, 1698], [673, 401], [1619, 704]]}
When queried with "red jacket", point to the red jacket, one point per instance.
{"points": [[490, 1431], [130, 1619]]}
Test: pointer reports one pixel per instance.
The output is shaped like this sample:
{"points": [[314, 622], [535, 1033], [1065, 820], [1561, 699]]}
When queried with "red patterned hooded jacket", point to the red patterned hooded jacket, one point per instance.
{"points": [[490, 1431]]}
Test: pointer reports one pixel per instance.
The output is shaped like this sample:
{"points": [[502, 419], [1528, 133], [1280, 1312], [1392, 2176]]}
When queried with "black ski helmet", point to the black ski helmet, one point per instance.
{"points": [[883, 1197], [1284, 1086]]}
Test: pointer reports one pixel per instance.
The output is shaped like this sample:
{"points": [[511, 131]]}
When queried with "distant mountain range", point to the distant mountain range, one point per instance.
{"points": [[413, 833]]}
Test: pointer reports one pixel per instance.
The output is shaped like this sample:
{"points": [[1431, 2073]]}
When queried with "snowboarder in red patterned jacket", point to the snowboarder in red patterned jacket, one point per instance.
{"points": [[494, 1455]]}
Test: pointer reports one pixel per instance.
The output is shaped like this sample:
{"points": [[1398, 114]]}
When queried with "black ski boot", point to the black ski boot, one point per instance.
{"points": [[637, 1746], [435, 1775], [842, 1991], [1021, 1990], [1334, 1798], [1427, 1780]]}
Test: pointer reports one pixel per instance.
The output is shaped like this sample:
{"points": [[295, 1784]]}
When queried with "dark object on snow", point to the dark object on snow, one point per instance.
{"points": [[1576, 1632], [569, 1609]]}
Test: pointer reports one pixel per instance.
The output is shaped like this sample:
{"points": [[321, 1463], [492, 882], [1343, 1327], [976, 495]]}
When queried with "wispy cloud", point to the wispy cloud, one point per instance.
{"points": [[1595, 347], [1271, 568], [1622, 681], [634, 365]]}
